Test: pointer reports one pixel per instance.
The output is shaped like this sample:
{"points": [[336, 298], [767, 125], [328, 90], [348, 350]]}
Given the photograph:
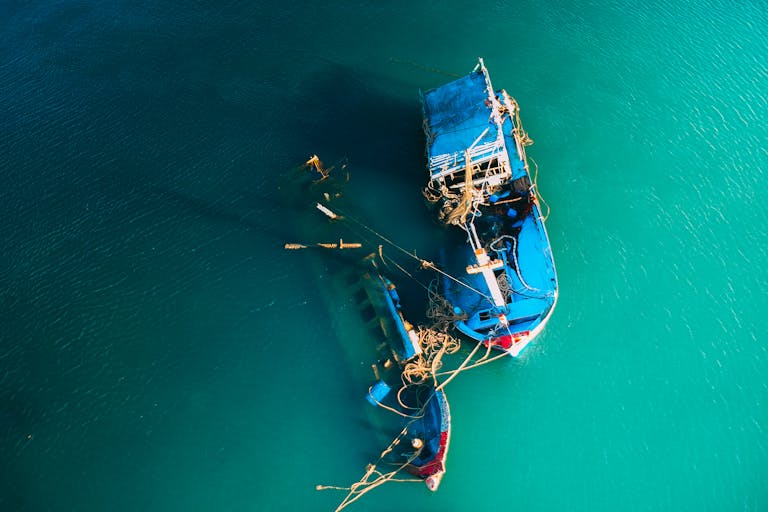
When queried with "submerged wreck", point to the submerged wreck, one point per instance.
{"points": [[480, 182], [419, 397], [406, 384]]}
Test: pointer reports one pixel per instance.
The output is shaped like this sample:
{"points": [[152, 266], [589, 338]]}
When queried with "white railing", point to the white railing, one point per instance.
{"points": [[448, 163]]}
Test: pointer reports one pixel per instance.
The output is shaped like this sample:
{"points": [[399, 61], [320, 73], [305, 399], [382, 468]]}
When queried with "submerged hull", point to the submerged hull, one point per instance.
{"points": [[480, 182], [428, 433]]}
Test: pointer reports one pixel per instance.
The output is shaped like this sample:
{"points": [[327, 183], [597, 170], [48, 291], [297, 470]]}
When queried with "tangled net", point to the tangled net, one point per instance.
{"points": [[440, 311]]}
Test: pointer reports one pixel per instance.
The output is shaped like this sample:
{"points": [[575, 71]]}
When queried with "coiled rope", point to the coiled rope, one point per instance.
{"points": [[434, 344]]}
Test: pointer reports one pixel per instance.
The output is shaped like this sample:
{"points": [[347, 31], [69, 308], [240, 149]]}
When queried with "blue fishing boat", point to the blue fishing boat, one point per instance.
{"points": [[419, 400], [505, 287]]}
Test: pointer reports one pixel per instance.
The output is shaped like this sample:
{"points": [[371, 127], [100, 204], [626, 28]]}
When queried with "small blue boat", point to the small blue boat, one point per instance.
{"points": [[479, 180], [433, 430]]}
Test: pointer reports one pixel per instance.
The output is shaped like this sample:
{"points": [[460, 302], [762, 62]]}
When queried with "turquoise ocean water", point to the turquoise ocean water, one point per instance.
{"points": [[159, 350]]}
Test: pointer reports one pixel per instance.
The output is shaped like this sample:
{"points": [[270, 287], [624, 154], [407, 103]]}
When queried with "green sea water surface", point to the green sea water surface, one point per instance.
{"points": [[160, 351]]}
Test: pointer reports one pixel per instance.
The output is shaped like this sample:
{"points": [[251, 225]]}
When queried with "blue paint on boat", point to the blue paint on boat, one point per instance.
{"points": [[378, 393], [433, 428], [407, 347]]}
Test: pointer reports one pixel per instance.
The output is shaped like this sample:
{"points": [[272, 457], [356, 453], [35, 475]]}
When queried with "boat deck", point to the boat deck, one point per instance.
{"points": [[459, 116], [382, 296]]}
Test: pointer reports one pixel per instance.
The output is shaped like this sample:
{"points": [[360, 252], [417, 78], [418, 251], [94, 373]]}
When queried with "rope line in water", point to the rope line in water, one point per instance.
{"points": [[362, 486]]}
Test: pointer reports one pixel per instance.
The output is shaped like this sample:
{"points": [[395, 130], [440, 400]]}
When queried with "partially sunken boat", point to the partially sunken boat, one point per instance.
{"points": [[417, 398], [480, 181]]}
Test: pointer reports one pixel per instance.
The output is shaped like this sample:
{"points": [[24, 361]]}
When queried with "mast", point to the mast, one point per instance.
{"points": [[485, 266]]}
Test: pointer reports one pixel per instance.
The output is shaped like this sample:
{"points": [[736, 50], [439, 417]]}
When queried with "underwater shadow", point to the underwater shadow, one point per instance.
{"points": [[350, 114], [213, 212]]}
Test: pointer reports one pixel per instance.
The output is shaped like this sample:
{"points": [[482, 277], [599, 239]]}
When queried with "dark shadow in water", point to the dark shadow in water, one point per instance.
{"points": [[15, 408], [217, 213], [351, 114]]}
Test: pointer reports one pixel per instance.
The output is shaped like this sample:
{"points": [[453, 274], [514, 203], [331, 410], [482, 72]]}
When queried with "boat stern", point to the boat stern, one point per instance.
{"points": [[433, 481], [512, 330]]}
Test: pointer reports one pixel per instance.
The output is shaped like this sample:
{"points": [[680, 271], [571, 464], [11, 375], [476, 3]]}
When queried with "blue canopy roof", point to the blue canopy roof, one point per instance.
{"points": [[457, 114]]}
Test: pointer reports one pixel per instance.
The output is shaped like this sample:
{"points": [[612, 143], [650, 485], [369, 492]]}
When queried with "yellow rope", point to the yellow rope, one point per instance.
{"points": [[458, 370], [538, 193], [390, 409], [434, 344]]}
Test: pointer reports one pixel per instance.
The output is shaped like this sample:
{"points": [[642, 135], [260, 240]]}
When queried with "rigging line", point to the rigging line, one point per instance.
{"points": [[538, 192], [462, 283], [401, 269], [359, 234], [386, 259], [424, 263], [367, 228]]}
